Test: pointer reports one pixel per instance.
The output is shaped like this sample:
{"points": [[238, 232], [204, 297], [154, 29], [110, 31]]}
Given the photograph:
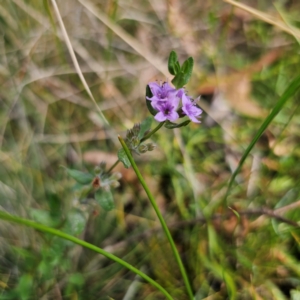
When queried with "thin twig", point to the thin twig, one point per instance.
{"points": [[74, 59]]}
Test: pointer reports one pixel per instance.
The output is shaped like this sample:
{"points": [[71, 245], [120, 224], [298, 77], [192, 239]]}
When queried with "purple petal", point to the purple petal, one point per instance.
{"points": [[160, 117], [156, 104], [190, 109], [185, 99], [173, 116], [175, 102], [194, 119], [180, 93], [167, 88], [154, 87]]}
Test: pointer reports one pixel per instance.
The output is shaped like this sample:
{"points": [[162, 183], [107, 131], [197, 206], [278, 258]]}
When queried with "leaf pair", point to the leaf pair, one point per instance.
{"points": [[102, 196], [182, 73]]}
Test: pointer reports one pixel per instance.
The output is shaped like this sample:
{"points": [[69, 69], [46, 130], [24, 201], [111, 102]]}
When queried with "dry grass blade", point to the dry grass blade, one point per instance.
{"points": [[267, 18], [131, 41], [74, 59]]}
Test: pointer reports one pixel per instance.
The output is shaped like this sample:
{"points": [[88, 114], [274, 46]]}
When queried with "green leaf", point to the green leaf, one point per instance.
{"points": [[75, 222], [236, 213], [55, 205], [289, 92], [124, 158], [230, 285], [187, 68], [44, 217], [145, 126], [177, 67], [172, 66], [148, 102], [76, 279], [80, 177], [213, 242], [183, 76], [179, 80], [105, 199], [25, 287], [171, 125]]}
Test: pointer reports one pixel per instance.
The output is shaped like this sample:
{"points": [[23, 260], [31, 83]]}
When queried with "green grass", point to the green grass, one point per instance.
{"points": [[246, 149]]}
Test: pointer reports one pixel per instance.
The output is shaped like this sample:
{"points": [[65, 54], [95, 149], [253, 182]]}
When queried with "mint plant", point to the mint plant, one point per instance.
{"points": [[167, 104]]}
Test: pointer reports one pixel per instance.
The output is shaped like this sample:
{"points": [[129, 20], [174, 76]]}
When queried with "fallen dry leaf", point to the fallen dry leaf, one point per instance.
{"points": [[238, 94]]}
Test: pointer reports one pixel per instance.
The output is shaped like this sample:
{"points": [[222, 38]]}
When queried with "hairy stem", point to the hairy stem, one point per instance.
{"points": [[112, 167], [146, 137], [160, 217], [142, 140]]}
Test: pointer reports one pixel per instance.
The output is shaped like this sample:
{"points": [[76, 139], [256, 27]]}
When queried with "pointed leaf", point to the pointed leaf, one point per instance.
{"points": [[177, 67], [148, 102], [236, 213], [80, 177], [187, 68], [230, 285], [123, 158], [172, 62], [145, 126], [105, 199], [185, 73], [179, 80], [171, 125]]}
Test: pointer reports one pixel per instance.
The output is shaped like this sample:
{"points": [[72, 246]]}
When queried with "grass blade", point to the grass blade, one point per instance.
{"points": [[289, 92], [75, 62], [43, 228]]}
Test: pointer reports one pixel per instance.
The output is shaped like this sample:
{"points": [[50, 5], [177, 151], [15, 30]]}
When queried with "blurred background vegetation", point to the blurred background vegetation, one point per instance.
{"points": [[244, 59]]}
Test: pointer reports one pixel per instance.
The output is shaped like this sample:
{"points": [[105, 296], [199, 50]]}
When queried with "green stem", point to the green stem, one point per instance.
{"points": [[146, 137], [160, 217], [40, 227], [142, 140], [112, 167]]}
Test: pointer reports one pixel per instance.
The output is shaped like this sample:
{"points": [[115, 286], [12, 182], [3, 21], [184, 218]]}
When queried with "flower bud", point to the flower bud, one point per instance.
{"points": [[114, 184], [103, 165], [151, 146], [129, 134], [135, 142], [115, 176], [143, 148], [97, 170], [136, 129]]}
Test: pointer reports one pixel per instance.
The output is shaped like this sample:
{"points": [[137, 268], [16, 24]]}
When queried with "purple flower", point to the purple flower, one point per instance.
{"points": [[167, 110], [161, 92], [189, 107], [165, 101]]}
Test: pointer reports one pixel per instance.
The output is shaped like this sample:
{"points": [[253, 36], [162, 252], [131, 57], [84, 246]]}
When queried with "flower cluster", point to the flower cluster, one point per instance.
{"points": [[133, 141], [165, 101], [105, 180]]}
